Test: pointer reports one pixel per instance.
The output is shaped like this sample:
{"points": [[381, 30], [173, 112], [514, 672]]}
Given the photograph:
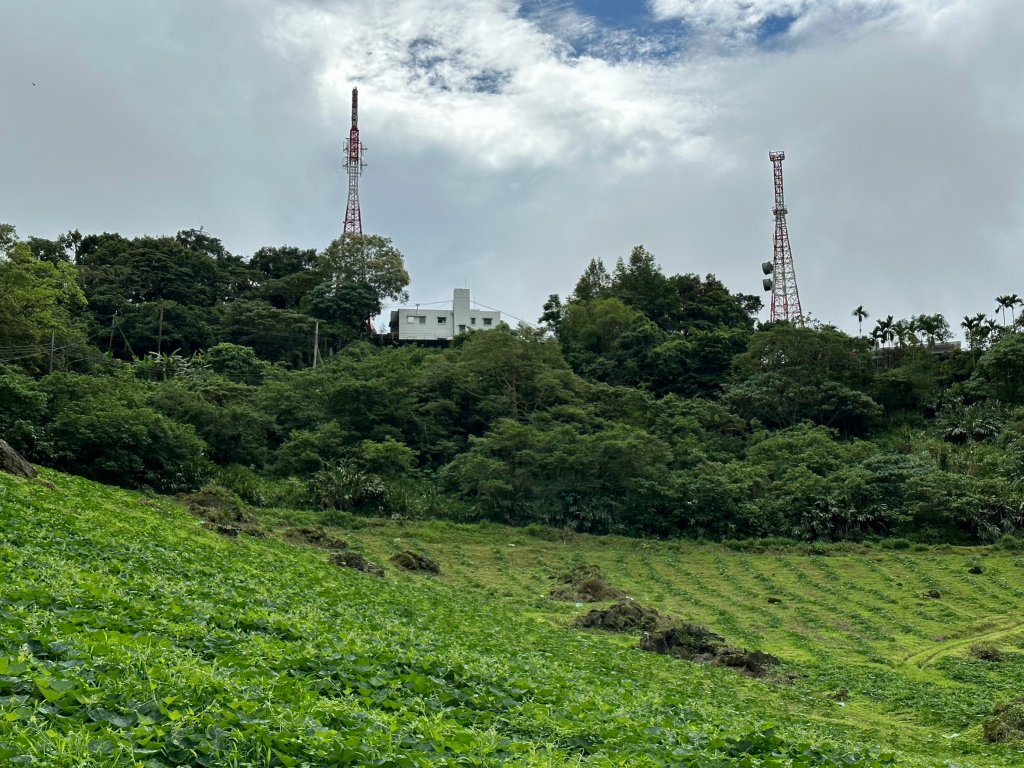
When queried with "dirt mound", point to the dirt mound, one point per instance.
{"points": [[700, 645], [1006, 723], [315, 537], [349, 559], [625, 616], [683, 639], [585, 584], [222, 512], [987, 653], [752, 663], [416, 562]]}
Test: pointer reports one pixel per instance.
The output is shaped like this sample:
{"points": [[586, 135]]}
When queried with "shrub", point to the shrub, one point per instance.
{"points": [[345, 488], [130, 447]]}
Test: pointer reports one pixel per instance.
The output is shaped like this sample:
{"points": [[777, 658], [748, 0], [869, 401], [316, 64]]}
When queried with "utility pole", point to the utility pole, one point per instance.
{"points": [[160, 332], [113, 325]]}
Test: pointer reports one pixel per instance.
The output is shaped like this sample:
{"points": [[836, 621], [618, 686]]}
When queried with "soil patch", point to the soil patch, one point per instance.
{"points": [[315, 537], [222, 512], [585, 584], [987, 653], [697, 644], [349, 559], [662, 634], [1006, 723], [625, 616], [416, 562]]}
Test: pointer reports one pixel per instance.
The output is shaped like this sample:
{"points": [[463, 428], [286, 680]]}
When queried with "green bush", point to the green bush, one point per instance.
{"points": [[348, 489], [130, 447]]}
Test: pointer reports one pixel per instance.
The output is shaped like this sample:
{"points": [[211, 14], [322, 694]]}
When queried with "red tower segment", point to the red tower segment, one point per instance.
{"points": [[354, 165], [785, 296]]}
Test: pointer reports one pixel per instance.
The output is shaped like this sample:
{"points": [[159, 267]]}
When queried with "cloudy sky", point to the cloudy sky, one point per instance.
{"points": [[511, 142]]}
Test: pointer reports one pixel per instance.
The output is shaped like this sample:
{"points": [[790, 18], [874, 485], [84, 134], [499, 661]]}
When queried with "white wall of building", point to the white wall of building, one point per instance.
{"points": [[415, 324]]}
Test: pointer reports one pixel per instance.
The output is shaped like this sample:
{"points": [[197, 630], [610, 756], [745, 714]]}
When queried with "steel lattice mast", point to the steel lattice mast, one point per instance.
{"points": [[354, 165], [785, 296]]}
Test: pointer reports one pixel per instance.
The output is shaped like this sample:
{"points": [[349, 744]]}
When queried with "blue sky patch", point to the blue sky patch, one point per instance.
{"points": [[613, 30], [774, 27]]}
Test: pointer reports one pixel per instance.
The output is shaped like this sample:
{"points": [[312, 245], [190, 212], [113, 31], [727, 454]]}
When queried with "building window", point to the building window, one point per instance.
{"points": [[462, 329], [412, 318], [487, 321], [472, 321], [442, 320], [423, 319]]}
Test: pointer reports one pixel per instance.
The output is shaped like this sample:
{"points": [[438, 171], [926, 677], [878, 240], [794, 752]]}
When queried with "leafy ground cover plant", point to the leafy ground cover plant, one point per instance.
{"points": [[133, 636]]}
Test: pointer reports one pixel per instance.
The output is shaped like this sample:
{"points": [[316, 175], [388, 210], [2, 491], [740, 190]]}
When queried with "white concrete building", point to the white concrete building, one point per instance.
{"points": [[416, 324]]}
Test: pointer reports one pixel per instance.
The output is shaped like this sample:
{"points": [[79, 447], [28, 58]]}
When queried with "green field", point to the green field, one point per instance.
{"points": [[131, 635]]}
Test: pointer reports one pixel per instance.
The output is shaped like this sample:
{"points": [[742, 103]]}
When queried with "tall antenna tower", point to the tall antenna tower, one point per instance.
{"points": [[354, 165], [782, 280]]}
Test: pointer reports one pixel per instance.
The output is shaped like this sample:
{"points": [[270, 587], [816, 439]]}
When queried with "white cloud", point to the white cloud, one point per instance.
{"points": [[503, 159], [490, 83]]}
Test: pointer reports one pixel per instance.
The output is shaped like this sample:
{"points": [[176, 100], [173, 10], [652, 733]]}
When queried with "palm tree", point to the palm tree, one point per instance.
{"points": [[972, 325], [1005, 303], [1014, 301], [884, 330], [914, 328], [990, 327], [901, 330], [860, 313]]}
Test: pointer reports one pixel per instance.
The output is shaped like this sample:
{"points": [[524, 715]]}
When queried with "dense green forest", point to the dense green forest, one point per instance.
{"points": [[645, 404]]}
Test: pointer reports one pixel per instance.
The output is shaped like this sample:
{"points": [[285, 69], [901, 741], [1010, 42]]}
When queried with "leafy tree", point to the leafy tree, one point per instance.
{"points": [[285, 275], [915, 385], [39, 298], [369, 260], [593, 283], [235, 362], [639, 282], [22, 409], [8, 238], [1001, 368], [696, 363], [346, 304], [100, 427], [162, 326], [934, 327], [790, 374], [561, 474], [275, 334], [223, 415]]}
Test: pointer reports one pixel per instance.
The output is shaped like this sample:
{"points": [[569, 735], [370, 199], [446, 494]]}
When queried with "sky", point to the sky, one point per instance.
{"points": [[511, 142]]}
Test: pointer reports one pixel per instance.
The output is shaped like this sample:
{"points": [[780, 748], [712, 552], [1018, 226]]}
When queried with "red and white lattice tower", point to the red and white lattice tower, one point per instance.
{"points": [[354, 165], [785, 296]]}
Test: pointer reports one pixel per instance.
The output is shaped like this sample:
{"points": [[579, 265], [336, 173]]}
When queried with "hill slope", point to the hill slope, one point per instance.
{"points": [[130, 635]]}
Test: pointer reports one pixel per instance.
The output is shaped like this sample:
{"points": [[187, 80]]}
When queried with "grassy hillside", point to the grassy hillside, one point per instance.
{"points": [[131, 635]]}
